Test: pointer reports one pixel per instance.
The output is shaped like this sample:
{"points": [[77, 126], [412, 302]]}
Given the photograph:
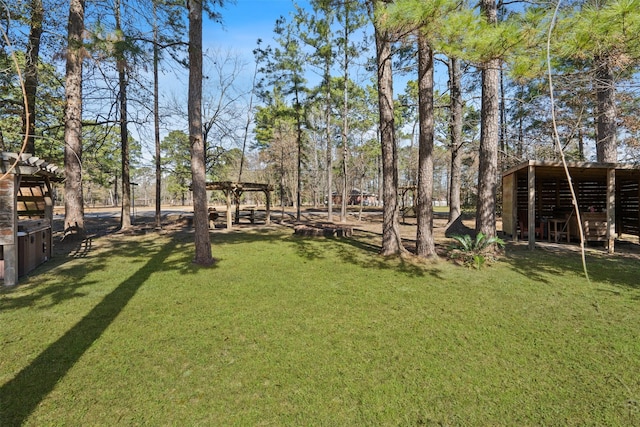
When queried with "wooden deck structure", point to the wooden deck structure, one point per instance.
{"points": [[233, 191], [26, 213], [536, 197]]}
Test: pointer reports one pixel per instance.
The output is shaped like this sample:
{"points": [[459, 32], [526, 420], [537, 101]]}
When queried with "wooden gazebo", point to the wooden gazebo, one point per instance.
{"points": [[233, 191], [537, 200], [26, 213]]}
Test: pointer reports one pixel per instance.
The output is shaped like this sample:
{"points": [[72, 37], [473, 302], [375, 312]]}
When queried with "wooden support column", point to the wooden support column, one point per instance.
{"points": [[9, 227], [531, 203], [228, 192], [622, 226], [48, 211], [513, 190], [267, 194], [611, 209]]}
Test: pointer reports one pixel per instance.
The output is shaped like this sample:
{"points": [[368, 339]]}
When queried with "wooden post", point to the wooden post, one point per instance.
{"points": [[611, 208], [9, 227], [267, 193], [514, 205], [227, 192], [531, 204]]}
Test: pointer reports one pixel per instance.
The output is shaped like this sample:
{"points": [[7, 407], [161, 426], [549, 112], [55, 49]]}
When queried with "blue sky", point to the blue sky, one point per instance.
{"points": [[244, 23]]}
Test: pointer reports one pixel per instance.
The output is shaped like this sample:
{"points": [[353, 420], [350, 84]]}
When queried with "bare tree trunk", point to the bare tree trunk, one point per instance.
{"points": [[74, 204], [125, 216], [198, 169], [489, 136], [455, 129], [504, 146], [125, 213], [327, 74], [31, 74], [520, 146], [345, 119], [299, 168], [391, 239], [156, 119], [606, 144], [425, 245]]}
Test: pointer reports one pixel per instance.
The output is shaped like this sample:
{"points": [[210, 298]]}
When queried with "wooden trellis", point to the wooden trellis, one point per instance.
{"points": [[26, 213], [233, 191]]}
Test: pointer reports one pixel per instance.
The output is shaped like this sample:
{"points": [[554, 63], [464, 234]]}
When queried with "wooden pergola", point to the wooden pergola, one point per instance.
{"points": [[235, 190], [536, 195], [26, 213]]}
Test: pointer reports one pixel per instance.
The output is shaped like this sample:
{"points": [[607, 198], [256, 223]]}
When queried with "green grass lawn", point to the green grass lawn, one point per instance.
{"points": [[302, 331]]}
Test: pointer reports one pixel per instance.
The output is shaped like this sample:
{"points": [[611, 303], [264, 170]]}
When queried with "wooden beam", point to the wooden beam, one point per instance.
{"points": [[531, 202]]}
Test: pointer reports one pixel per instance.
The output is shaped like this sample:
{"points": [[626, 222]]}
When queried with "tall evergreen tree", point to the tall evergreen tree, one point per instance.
{"points": [[121, 46], [32, 58], [605, 34], [74, 202], [391, 238], [455, 138], [349, 16], [489, 136], [316, 32], [283, 68], [425, 244], [198, 169]]}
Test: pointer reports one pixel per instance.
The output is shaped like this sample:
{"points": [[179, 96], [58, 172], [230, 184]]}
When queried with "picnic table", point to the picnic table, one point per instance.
{"points": [[246, 212]]}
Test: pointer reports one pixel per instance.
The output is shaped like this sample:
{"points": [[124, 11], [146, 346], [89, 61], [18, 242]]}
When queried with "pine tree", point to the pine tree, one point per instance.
{"points": [[74, 203], [198, 170]]}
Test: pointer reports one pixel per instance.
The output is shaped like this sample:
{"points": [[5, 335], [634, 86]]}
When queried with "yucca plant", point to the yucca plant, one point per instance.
{"points": [[474, 252]]}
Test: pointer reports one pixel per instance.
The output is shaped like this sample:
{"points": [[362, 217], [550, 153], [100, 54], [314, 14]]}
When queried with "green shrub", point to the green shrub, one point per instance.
{"points": [[475, 252]]}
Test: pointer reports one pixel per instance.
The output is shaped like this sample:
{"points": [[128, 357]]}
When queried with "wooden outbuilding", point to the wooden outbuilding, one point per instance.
{"points": [[537, 202], [233, 191], [26, 214]]}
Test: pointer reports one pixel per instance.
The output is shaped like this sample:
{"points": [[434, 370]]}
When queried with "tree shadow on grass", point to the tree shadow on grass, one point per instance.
{"points": [[22, 394], [61, 278], [360, 250], [543, 263], [409, 265]]}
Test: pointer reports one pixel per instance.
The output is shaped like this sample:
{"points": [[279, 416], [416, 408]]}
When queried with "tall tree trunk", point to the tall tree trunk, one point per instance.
{"points": [[156, 118], [345, 131], [198, 169], [327, 114], [391, 239], [606, 144], [125, 216], [425, 245], [455, 130], [73, 200], [345, 112], [31, 74], [121, 64], [504, 145], [489, 123], [299, 168], [520, 115]]}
